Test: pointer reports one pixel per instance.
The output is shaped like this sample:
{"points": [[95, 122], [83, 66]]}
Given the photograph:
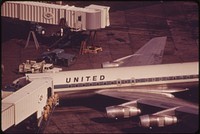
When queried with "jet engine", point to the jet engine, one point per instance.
{"points": [[122, 111], [110, 64], [157, 121]]}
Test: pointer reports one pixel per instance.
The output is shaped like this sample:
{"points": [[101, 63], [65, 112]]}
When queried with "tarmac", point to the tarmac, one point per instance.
{"points": [[132, 25]]}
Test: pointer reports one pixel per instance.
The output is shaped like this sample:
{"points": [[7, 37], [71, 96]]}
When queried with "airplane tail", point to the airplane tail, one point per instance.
{"points": [[151, 53]]}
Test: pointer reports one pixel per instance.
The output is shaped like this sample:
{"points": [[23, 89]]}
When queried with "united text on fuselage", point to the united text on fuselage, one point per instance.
{"points": [[85, 78]]}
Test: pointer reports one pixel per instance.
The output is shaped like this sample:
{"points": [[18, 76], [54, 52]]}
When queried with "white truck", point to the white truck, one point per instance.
{"points": [[31, 66]]}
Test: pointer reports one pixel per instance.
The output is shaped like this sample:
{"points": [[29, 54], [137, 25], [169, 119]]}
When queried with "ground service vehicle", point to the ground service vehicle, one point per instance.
{"points": [[58, 57], [31, 66], [93, 49]]}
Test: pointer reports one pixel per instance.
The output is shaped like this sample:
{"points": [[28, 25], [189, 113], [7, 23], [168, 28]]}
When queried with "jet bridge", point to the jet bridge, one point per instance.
{"points": [[23, 103], [92, 17]]}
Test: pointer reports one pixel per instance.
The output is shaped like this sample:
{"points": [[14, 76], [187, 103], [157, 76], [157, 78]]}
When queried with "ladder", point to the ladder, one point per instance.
{"points": [[34, 39]]}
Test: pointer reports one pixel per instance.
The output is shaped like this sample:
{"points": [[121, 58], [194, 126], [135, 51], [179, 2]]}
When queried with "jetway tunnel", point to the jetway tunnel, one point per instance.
{"points": [[23, 103]]}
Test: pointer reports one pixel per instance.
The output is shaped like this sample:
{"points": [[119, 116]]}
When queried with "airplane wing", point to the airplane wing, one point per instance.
{"points": [[161, 100], [151, 53], [170, 105]]}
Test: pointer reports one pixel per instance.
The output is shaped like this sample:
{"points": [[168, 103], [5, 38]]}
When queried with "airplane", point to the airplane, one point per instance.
{"points": [[151, 53], [142, 85]]}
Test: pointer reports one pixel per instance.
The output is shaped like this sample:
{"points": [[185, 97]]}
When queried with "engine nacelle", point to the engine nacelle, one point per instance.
{"points": [[157, 121], [109, 64], [122, 111]]}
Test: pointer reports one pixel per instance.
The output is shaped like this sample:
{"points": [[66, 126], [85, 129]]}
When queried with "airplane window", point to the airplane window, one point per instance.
{"points": [[171, 78], [100, 83], [94, 84], [149, 79], [73, 85], [109, 82], [142, 80], [113, 82], [184, 77], [153, 79], [179, 77], [79, 18], [188, 76], [195, 76], [125, 81], [86, 84], [137, 80]]}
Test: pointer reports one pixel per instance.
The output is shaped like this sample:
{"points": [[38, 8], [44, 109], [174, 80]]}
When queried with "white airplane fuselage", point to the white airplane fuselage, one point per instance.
{"points": [[78, 80]]}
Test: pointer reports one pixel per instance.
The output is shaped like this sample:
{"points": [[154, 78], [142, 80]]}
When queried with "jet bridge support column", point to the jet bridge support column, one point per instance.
{"points": [[92, 37]]}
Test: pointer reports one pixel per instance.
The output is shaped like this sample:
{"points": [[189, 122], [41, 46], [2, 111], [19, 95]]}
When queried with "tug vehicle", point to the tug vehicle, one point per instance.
{"points": [[31, 66]]}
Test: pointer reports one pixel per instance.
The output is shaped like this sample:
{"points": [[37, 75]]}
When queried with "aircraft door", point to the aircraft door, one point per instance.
{"points": [[49, 92], [79, 20], [119, 82], [133, 81]]}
